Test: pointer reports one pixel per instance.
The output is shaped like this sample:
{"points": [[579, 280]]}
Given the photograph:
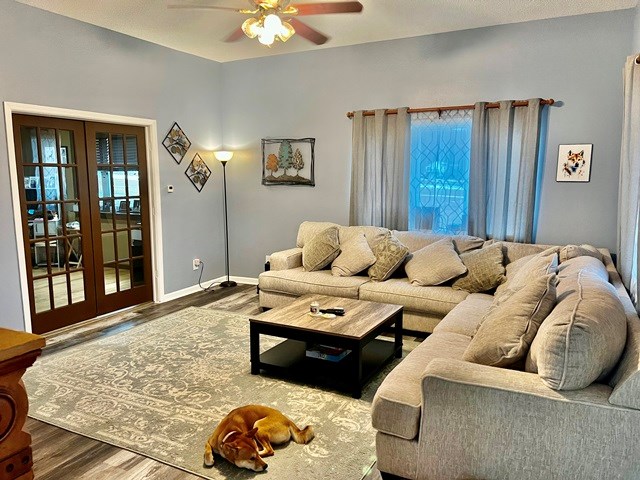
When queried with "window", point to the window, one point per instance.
{"points": [[439, 182]]}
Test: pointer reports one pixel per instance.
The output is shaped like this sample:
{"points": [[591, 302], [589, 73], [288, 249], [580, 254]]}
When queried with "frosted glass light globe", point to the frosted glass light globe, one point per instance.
{"points": [[272, 24]]}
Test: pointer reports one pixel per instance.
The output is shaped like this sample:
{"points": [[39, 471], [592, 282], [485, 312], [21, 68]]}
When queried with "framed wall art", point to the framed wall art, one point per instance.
{"points": [[176, 143], [288, 161], [198, 172], [574, 163]]}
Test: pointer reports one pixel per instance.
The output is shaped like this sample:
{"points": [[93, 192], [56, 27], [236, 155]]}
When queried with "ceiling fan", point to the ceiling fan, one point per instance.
{"points": [[273, 20]]}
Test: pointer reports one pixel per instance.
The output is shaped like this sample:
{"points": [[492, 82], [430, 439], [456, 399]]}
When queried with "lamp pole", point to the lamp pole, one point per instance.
{"points": [[227, 282]]}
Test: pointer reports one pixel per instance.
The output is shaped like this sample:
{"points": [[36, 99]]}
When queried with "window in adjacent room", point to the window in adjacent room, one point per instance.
{"points": [[439, 175]]}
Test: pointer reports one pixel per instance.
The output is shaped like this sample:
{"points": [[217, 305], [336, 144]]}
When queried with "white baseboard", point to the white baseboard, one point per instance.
{"points": [[196, 288]]}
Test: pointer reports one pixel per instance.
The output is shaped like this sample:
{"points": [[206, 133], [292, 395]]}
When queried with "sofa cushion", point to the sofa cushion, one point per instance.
{"points": [[573, 251], [389, 253], [397, 404], [485, 270], [297, 281], [466, 316], [372, 234], [308, 230], [355, 256], [572, 267], [415, 240], [399, 291], [520, 272], [582, 339], [321, 250], [510, 325], [514, 250], [434, 264]]}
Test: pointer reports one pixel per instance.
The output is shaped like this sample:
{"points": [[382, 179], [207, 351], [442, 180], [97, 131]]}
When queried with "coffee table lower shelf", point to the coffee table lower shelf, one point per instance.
{"points": [[289, 359]]}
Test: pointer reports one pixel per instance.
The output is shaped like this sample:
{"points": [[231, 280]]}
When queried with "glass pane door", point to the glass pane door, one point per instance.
{"points": [[56, 222], [117, 163]]}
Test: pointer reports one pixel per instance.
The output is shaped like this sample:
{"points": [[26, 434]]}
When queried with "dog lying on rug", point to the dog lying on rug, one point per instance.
{"points": [[238, 435]]}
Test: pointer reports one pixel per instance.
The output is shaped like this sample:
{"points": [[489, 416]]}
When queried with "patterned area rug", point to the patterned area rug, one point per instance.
{"points": [[160, 388]]}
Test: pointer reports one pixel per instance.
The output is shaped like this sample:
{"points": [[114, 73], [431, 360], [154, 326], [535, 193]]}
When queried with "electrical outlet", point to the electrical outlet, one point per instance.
{"points": [[196, 263]]}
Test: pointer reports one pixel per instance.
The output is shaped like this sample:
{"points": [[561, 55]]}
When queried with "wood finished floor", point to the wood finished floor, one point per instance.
{"points": [[60, 455]]}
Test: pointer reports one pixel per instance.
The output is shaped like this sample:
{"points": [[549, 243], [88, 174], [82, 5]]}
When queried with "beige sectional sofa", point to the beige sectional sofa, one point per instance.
{"points": [[439, 417], [424, 307]]}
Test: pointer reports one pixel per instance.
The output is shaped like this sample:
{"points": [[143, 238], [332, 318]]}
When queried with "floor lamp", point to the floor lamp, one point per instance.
{"points": [[223, 157]]}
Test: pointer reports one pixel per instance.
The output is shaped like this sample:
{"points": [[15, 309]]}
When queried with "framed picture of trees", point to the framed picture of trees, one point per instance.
{"points": [[288, 161]]}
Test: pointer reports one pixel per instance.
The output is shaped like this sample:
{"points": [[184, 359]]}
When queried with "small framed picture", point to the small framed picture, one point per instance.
{"points": [[574, 163]]}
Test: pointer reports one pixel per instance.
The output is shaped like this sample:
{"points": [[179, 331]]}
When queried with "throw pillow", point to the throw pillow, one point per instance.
{"points": [[434, 264], [510, 325], [573, 251], [484, 270], [523, 270], [390, 254], [321, 250], [582, 339], [355, 256]]}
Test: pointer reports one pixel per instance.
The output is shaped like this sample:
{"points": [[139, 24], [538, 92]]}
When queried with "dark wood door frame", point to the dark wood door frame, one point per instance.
{"points": [[153, 170]]}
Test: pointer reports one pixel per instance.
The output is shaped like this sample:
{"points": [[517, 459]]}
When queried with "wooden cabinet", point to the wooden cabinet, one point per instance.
{"points": [[18, 351]]}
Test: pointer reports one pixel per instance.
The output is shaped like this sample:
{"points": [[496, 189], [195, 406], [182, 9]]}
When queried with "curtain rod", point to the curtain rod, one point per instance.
{"points": [[394, 111]]}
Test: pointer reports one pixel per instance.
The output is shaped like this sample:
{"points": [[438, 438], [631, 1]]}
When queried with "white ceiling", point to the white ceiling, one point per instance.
{"points": [[200, 32]]}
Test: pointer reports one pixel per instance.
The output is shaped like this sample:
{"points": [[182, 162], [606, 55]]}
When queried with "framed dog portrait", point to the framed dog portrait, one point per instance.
{"points": [[574, 163]]}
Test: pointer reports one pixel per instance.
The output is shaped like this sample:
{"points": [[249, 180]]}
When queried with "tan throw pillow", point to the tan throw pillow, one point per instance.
{"points": [[355, 256], [523, 270], [321, 250], [484, 269], [434, 264], [390, 254], [511, 323], [581, 341], [584, 250]]}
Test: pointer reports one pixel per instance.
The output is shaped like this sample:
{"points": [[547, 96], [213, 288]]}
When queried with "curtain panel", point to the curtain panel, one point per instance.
{"points": [[380, 170], [629, 191], [505, 146]]}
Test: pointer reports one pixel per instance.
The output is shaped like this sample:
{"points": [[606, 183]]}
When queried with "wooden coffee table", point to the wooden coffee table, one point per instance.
{"points": [[356, 331]]}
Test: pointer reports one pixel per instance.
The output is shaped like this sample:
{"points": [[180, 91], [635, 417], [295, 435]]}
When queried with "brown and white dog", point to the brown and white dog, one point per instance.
{"points": [[238, 435]]}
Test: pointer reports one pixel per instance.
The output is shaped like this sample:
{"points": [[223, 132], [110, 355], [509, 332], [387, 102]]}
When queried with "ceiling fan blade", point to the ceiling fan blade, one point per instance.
{"points": [[202, 7], [236, 35], [327, 7], [307, 32]]}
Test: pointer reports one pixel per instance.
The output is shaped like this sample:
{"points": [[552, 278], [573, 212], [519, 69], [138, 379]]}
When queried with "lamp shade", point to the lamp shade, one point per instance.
{"points": [[223, 155]]}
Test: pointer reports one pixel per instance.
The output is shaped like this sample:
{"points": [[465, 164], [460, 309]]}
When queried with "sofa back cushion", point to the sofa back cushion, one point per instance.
{"points": [[582, 339], [485, 270], [309, 230], [524, 269], [510, 325], [573, 251], [372, 234], [513, 250], [321, 250], [389, 253], [434, 264], [415, 240], [355, 256]]}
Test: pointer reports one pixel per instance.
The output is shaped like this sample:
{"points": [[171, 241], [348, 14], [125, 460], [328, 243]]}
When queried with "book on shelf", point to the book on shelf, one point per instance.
{"points": [[326, 352]]}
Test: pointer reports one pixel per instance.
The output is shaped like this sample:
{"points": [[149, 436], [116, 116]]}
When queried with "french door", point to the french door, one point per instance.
{"points": [[85, 218]]}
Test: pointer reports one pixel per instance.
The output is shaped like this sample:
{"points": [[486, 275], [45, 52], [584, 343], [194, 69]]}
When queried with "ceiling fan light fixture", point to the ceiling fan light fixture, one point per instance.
{"points": [[272, 24], [251, 27], [266, 38], [286, 31]]}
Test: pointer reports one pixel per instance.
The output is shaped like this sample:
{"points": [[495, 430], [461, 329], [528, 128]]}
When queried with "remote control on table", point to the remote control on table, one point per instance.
{"points": [[336, 311]]}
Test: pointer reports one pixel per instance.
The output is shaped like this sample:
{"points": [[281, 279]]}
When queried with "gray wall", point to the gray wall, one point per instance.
{"points": [[576, 60], [636, 31], [52, 60]]}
